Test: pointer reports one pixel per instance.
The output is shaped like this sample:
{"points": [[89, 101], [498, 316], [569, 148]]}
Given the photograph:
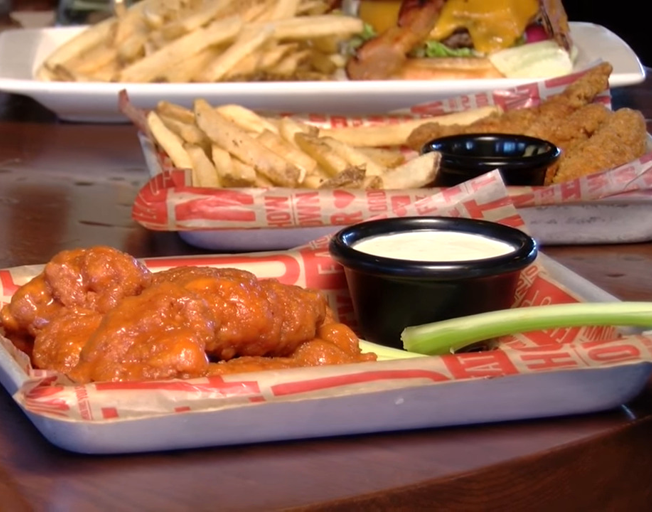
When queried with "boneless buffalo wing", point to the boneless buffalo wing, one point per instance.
{"points": [[100, 315]]}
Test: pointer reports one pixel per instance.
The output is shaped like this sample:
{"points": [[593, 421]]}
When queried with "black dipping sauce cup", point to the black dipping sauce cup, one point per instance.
{"points": [[521, 160], [391, 294]]}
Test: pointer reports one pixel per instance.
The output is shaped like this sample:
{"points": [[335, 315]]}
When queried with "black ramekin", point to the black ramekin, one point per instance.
{"points": [[390, 294], [521, 160]]}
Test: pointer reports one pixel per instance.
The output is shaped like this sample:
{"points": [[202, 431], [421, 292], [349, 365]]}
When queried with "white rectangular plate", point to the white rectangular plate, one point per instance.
{"points": [[22, 51], [536, 395]]}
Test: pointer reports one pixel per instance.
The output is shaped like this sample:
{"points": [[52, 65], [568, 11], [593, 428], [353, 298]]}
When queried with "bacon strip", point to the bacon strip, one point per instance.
{"points": [[384, 56]]}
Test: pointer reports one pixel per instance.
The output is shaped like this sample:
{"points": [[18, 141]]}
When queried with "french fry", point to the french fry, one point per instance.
{"points": [[288, 65], [310, 27], [232, 172], [321, 62], [154, 65], [131, 23], [397, 134], [280, 146], [203, 170], [119, 8], [133, 47], [285, 9], [80, 44], [313, 7], [415, 173], [249, 40], [332, 163], [256, 11], [262, 181], [108, 72], [189, 132], [272, 56], [288, 128], [168, 109], [171, 143], [179, 41], [387, 158], [354, 157], [191, 67], [372, 183], [244, 67], [243, 175], [69, 75], [222, 161], [92, 60], [195, 19], [246, 119], [315, 178], [240, 144], [351, 177]]}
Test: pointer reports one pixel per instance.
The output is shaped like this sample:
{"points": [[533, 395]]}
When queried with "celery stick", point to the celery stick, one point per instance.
{"points": [[386, 353], [448, 336]]}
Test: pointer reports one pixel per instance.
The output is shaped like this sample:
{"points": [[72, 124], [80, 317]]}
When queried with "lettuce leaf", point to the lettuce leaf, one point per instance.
{"points": [[434, 49], [358, 40]]}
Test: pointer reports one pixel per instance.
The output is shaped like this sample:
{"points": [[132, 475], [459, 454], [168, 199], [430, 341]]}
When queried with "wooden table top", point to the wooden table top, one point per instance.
{"points": [[70, 185]]}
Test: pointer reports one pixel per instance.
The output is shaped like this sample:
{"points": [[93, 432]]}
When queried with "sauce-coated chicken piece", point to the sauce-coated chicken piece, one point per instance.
{"points": [[335, 344], [93, 279], [255, 317], [99, 315], [57, 346], [160, 334]]}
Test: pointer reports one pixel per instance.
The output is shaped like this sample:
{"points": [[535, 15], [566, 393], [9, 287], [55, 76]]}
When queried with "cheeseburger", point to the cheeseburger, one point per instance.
{"points": [[459, 39]]}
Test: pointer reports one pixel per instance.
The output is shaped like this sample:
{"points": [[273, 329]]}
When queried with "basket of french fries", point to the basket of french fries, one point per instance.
{"points": [[225, 167], [181, 41]]}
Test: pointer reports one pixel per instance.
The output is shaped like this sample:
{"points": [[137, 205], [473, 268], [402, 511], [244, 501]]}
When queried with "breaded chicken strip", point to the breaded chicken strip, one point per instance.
{"points": [[576, 128], [553, 110], [620, 139]]}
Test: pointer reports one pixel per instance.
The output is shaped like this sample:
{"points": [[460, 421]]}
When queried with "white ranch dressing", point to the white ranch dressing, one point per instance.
{"points": [[433, 246]]}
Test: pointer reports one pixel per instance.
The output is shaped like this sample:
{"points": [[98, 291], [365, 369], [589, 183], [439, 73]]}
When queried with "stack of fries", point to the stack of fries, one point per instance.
{"points": [[232, 146], [207, 41]]}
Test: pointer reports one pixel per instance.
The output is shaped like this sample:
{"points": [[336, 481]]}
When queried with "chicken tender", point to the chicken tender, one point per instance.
{"points": [[335, 344], [549, 112], [255, 317], [576, 128], [93, 279], [160, 334], [99, 315], [57, 346], [620, 139]]}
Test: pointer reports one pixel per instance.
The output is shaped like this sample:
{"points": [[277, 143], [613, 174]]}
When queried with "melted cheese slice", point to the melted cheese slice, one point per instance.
{"points": [[492, 24], [381, 15]]}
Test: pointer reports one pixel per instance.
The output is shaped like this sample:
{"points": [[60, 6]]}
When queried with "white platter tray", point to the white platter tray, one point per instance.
{"points": [[22, 51], [608, 221], [545, 394]]}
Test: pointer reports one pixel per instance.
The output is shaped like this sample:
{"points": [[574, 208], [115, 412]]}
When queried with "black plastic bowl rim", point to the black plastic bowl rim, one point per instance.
{"points": [[465, 162], [342, 250]]}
